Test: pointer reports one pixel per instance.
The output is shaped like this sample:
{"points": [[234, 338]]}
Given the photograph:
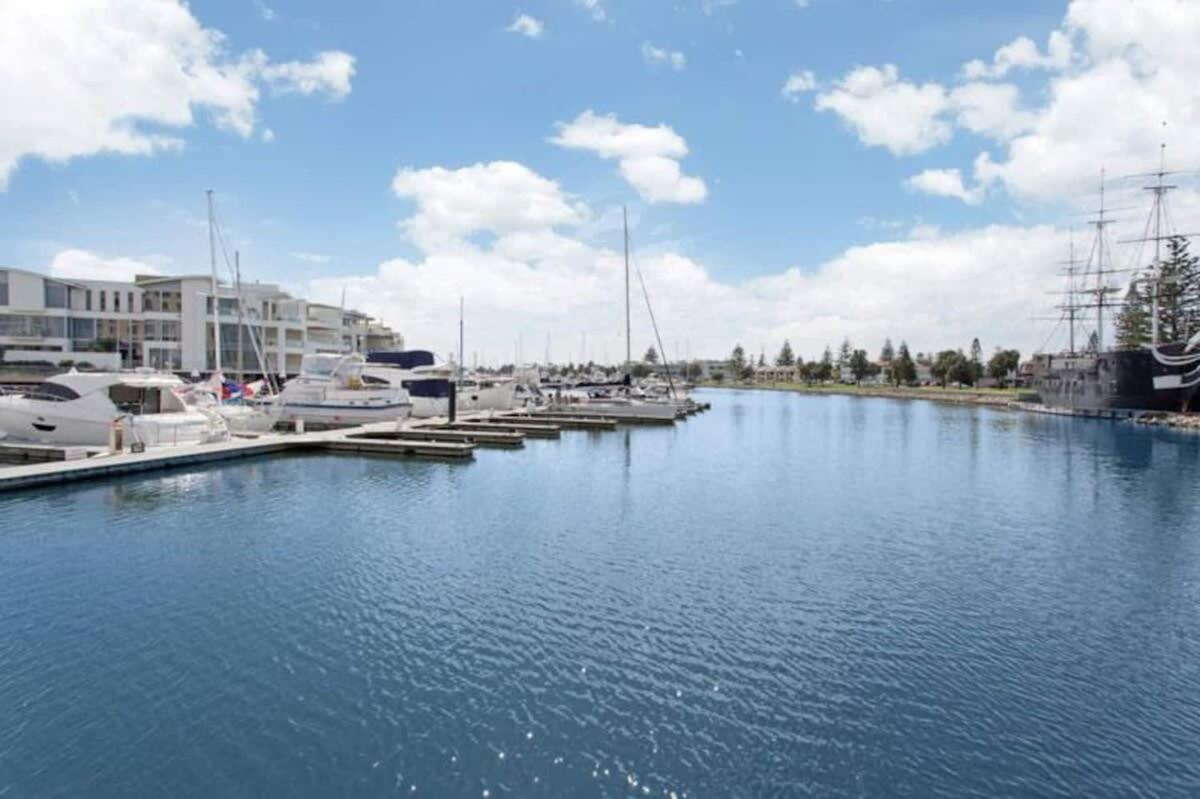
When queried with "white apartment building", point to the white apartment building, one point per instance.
{"points": [[166, 323]]}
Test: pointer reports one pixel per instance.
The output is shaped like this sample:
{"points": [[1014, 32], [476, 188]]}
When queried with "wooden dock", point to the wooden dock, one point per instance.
{"points": [[41, 465]]}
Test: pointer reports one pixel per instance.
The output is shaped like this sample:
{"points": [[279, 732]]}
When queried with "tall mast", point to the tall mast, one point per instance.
{"points": [[1160, 190], [1101, 223], [216, 304], [1072, 308], [461, 305], [628, 334]]}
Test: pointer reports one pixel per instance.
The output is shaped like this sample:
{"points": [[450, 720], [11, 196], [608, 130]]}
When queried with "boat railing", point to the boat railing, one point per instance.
{"points": [[15, 389]]}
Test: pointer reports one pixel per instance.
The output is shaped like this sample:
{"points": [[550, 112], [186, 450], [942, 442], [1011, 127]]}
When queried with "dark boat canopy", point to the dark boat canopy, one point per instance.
{"points": [[404, 359]]}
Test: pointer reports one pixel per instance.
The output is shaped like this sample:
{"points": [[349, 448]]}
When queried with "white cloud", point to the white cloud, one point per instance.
{"points": [[266, 12], [106, 100], [655, 56], [537, 275], [87, 265], [991, 109], [312, 257], [1023, 53], [328, 74], [944, 183], [885, 111], [799, 83], [595, 8], [526, 25], [649, 156], [496, 198]]}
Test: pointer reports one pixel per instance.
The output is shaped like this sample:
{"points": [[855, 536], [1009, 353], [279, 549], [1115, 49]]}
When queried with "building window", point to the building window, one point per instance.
{"points": [[33, 326], [55, 295], [83, 329], [130, 306], [87, 300], [116, 302], [3, 288], [103, 300]]}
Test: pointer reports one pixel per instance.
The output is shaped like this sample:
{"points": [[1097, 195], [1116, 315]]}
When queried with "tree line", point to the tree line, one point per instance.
{"points": [[897, 366]]}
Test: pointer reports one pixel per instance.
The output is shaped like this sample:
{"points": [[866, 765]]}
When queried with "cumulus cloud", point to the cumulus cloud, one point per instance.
{"points": [[531, 263], [497, 198], [528, 26], [799, 83], [126, 75], [88, 265], [648, 156], [1023, 53], [656, 56], [944, 183], [1114, 71], [885, 111]]}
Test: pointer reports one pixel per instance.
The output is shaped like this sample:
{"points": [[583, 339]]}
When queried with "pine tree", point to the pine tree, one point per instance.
{"points": [[904, 371], [1178, 292], [651, 355], [888, 353], [976, 360], [737, 361], [1133, 323], [786, 357], [845, 352]]}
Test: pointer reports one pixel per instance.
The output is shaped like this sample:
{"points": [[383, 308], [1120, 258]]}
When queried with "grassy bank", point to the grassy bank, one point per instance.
{"points": [[970, 396]]}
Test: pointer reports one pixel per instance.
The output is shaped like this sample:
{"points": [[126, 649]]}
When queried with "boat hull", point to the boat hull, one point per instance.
{"points": [[1112, 380], [41, 422]]}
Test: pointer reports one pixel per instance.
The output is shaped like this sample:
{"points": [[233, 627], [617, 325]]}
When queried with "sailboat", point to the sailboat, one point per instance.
{"points": [[241, 418], [621, 399], [1162, 376]]}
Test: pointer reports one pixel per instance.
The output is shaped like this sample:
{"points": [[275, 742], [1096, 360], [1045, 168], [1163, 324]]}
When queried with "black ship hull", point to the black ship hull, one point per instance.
{"points": [[1113, 380]]}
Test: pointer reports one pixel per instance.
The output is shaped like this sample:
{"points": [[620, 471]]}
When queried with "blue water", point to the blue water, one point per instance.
{"points": [[789, 595]]}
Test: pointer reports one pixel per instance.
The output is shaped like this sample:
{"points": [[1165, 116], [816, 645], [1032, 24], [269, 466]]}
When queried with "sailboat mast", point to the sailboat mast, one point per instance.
{"points": [[628, 334], [1159, 191], [1100, 272], [216, 304], [461, 304]]}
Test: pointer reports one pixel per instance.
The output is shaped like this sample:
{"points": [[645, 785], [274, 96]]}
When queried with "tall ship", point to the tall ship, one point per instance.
{"points": [[1154, 374]]}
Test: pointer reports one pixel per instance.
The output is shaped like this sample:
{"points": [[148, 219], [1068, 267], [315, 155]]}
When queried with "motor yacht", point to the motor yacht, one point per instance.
{"points": [[333, 389], [80, 409]]}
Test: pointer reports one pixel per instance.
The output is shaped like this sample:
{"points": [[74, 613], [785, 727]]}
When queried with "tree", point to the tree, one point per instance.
{"points": [[1002, 364], [976, 360], [964, 371], [825, 369], [1178, 292], [693, 371], [944, 365], [888, 353], [762, 359], [786, 357], [904, 371], [860, 365], [737, 361], [640, 370], [1133, 323], [845, 353], [804, 371], [651, 355]]}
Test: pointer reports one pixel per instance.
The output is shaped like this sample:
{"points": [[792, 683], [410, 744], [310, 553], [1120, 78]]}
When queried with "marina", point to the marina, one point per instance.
{"points": [[329, 623], [32, 465]]}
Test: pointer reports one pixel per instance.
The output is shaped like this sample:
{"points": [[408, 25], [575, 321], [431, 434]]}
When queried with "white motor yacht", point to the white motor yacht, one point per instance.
{"points": [[428, 383], [332, 389], [80, 408]]}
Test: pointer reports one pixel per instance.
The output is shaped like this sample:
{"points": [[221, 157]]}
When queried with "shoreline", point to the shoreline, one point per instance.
{"points": [[995, 398]]}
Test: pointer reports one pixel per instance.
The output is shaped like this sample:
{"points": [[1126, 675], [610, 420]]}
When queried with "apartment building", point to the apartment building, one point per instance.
{"points": [[166, 322]]}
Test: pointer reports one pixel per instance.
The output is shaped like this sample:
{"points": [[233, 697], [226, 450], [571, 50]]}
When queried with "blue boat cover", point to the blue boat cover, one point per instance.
{"points": [[404, 359]]}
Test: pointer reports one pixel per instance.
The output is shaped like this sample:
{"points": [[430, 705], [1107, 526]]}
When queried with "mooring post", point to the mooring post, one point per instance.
{"points": [[453, 399]]}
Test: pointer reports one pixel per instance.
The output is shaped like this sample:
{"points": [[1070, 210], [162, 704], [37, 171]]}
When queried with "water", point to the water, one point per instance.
{"points": [[786, 596]]}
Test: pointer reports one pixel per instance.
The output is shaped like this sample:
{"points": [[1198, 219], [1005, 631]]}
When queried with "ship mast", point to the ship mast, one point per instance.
{"points": [[628, 335], [216, 304]]}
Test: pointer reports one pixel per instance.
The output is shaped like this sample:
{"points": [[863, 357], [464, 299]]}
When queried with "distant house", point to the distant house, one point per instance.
{"points": [[775, 374]]}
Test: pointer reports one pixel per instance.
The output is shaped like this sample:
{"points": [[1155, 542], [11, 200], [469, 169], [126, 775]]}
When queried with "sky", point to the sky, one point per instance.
{"points": [[808, 170]]}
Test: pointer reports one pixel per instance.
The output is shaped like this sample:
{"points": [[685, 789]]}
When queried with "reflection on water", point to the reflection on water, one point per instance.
{"points": [[788, 595]]}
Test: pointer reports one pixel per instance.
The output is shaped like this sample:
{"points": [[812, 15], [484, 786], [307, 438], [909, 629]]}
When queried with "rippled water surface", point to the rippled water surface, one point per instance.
{"points": [[786, 596]]}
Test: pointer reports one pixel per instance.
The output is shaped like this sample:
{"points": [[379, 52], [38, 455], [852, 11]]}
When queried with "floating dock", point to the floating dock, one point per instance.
{"points": [[33, 465]]}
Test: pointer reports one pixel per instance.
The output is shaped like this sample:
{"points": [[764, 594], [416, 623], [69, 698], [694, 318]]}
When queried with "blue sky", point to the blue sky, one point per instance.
{"points": [[789, 184]]}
